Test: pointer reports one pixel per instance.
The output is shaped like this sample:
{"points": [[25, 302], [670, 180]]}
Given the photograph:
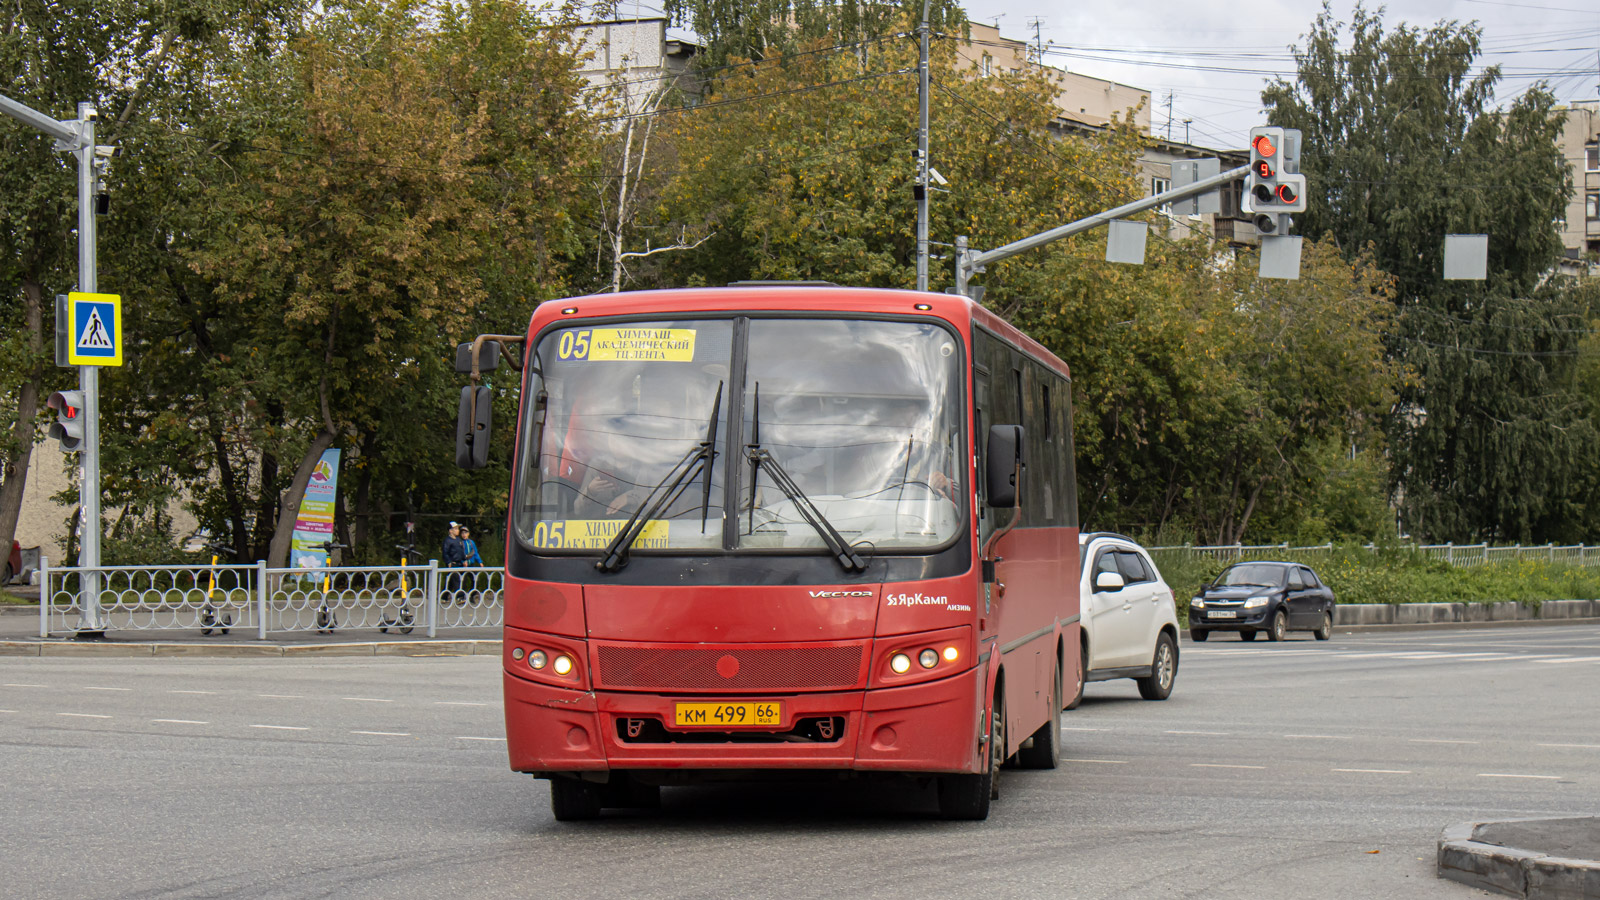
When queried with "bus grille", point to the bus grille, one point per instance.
{"points": [[732, 668]]}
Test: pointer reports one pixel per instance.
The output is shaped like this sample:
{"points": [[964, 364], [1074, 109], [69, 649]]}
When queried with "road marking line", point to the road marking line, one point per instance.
{"points": [[196, 692], [462, 737], [1221, 766], [1079, 728], [1570, 659], [107, 689], [83, 715], [457, 703], [1219, 733], [1505, 775], [1438, 741], [281, 696], [282, 727], [385, 733], [181, 721], [25, 685], [1109, 762], [1323, 737], [1378, 771], [7, 710], [366, 699], [1579, 746]]}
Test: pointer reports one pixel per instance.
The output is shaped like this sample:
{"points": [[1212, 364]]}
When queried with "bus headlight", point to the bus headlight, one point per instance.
{"points": [[562, 665], [537, 659], [951, 654], [928, 658], [900, 663]]}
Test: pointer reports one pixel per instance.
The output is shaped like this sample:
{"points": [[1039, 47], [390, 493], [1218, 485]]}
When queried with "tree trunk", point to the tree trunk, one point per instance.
{"points": [[289, 506], [14, 467]]}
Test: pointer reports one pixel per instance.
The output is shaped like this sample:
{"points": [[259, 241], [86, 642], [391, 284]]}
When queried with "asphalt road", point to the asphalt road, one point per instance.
{"points": [[1274, 771]]}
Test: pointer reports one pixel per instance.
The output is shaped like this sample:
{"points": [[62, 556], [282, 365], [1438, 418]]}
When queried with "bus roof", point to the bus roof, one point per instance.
{"points": [[793, 298]]}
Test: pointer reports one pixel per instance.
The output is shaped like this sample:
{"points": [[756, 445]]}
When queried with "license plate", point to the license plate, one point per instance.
{"points": [[724, 715], [1223, 614]]}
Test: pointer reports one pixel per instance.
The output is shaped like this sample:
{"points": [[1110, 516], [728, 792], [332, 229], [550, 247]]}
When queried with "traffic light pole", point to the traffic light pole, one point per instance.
{"points": [[922, 152], [78, 138], [970, 262]]}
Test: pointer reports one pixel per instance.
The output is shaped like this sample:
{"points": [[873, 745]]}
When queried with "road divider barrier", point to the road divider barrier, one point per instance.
{"points": [[241, 600], [1448, 613]]}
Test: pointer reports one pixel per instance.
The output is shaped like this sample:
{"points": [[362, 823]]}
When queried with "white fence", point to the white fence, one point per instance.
{"points": [[1462, 555], [229, 599]]}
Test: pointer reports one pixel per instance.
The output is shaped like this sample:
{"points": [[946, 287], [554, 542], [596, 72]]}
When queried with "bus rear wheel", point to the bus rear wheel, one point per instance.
{"points": [[1043, 750], [573, 800], [967, 796]]}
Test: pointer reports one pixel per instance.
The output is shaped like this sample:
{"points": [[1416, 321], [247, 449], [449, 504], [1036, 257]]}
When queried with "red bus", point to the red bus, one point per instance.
{"points": [[766, 530]]}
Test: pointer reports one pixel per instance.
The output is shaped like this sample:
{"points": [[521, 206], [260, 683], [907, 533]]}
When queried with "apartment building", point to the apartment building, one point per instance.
{"points": [[1087, 106], [1580, 146], [637, 60]]}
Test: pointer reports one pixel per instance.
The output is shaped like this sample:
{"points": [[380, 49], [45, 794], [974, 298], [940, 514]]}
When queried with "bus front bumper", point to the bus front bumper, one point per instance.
{"points": [[929, 727]]}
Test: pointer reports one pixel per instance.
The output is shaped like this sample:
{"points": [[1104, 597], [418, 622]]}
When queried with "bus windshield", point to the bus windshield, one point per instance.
{"points": [[862, 416]]}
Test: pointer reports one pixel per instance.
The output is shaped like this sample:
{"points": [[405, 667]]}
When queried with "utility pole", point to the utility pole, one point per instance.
{"points": [[77, 137], [922, 153]]}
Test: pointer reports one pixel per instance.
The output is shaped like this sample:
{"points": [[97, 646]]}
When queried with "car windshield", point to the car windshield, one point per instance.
{"points": [[862, 416], [1252, 574]]}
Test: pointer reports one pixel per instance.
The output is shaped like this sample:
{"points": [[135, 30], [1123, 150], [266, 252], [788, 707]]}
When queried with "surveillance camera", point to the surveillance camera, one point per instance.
{"points": [[88, 113], [936, 176], [108, 151]]}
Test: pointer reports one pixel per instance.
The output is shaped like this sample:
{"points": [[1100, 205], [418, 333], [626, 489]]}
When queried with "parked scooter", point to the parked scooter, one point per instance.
{"points": [[211, 619], [326, 620], [405, 619]]}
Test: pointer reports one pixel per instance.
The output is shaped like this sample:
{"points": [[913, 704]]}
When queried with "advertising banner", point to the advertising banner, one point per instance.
{"points": [[314, 525]]}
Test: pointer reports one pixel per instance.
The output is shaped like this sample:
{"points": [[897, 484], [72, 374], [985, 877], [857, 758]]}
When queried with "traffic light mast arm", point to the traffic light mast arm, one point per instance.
{"points": [[971, 263]]}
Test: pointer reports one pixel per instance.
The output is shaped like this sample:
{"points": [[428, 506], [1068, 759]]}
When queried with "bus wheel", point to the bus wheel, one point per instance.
{"points": [[572, 800], [967, 796], [1044, 751], [1083, 676]]}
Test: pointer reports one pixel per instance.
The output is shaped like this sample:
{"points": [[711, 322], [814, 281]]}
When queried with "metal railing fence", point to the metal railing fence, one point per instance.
{"points": [[258, 599], [1462, 555]]}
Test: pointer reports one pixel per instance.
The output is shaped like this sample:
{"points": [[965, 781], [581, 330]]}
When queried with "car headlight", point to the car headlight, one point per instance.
{"points": [[1198, 603], [1255, 602]]}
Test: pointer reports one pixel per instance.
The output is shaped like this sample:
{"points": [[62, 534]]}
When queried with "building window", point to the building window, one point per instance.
{"points": [[1591, 207], [1592, 152], [988, 64], [1160, 185]]}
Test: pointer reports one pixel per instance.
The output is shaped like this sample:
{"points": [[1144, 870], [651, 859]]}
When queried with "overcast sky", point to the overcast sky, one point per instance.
{"points": [[1179, 48], [1213, 56]]}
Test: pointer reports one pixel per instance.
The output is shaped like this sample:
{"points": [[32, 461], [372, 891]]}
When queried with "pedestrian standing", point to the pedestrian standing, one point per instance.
{"points": [[455, 556], [470, 548]]}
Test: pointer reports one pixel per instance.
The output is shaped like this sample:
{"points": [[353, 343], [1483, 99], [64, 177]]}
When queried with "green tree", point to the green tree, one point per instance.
{"points": [[1402, 147], [763, 29]]}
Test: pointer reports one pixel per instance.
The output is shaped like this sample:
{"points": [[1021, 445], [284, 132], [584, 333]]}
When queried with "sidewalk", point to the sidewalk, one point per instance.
{"points": [[19, 636], [1538, 859]]}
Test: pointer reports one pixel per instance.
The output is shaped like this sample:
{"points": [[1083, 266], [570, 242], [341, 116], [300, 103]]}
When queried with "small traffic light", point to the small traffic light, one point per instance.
{"points": [[68, 427], [1274, 188]]}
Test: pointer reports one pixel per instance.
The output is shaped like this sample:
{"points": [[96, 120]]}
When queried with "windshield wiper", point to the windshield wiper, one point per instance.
{"points": [[841, 550], [666, 491]]}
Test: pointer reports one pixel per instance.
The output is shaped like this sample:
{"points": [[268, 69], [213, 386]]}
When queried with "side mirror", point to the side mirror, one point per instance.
{"points": [[473, 427], [1108, 581], [1005, 457], [488, 357]]}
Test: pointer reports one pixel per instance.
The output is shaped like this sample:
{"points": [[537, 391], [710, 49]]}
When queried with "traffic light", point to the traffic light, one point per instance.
{"points": [[68, 427], [1274, 188]]}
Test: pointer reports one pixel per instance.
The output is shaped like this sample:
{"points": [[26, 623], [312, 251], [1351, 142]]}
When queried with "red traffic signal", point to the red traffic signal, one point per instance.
{"points": [[1287, 193], [1262, 144], [68, 427]]}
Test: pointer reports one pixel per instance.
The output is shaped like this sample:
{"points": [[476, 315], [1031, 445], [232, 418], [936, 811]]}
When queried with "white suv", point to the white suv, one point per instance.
{"points": [[1130, 623]]}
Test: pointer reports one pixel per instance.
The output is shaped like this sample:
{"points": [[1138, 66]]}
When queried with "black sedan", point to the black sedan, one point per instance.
{"points": [[1252, 597]]}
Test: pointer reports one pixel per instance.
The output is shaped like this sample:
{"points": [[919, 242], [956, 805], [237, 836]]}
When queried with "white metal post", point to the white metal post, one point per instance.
{"points": [[433, 598], [261, 599], [44, 597]]}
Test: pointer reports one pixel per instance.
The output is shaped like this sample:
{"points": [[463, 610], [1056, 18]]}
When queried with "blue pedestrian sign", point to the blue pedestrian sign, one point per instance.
{"points": [[95, 323]]}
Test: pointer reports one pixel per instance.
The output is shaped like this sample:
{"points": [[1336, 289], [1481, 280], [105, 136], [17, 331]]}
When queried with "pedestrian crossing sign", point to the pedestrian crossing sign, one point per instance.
{"points": [[96, 323]]}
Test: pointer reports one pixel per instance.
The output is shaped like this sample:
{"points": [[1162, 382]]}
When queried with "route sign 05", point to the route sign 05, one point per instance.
{"points": [[94, 329]]}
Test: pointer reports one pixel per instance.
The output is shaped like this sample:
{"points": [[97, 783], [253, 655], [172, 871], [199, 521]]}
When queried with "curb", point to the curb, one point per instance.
{"points": [[174, 649], [1463, 626], [1512, 871]]}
